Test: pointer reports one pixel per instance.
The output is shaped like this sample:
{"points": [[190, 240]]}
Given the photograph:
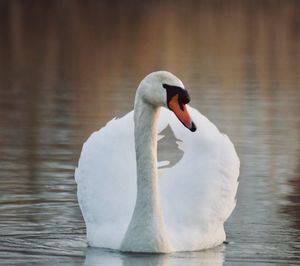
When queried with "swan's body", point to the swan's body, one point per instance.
{"points": [[127, 206]]}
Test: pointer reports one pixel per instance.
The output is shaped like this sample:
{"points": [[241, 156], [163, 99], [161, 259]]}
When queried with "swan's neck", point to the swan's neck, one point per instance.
{"points": [[146, 231], [146, 119]]}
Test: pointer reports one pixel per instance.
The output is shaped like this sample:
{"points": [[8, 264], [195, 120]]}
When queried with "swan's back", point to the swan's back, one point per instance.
{"points": [[106, 178], [197, 194]]}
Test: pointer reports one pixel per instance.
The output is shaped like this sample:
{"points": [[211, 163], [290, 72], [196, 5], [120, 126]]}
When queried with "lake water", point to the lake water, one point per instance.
{"points": [[67, 67]]}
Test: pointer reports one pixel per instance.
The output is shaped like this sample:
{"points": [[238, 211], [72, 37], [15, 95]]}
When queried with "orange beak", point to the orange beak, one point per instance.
{"points": [[181, 113]]}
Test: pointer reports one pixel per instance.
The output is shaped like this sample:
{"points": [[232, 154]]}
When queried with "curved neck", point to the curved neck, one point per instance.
{"points": [[145, 133], [146, 231]]}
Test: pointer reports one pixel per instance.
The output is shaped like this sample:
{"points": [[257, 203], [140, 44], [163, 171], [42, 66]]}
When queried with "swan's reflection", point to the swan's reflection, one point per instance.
{"points": [[145, 259], [99, 257]]}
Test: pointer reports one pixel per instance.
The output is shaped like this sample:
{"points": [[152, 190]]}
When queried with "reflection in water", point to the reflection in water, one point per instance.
{"points": [[67, 67], [97, 257], [147, 260]]}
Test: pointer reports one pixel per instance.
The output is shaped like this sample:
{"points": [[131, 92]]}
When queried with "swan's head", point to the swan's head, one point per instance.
{"points": [[162, 88]]}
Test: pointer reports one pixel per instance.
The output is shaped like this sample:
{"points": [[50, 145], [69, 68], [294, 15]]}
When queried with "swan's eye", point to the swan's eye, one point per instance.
{"points": [[183, 96], [177, 98]]}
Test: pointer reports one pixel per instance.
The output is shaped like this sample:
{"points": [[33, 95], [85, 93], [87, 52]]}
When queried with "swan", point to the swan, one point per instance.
{"points": [[127, 206]]}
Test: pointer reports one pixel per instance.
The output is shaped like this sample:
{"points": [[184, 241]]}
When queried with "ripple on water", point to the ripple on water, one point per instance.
{"points": [[64, 73]]}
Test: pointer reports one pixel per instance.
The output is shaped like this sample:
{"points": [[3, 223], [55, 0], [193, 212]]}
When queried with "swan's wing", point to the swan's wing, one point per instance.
{"points": [[198, 193], [106, 179]]}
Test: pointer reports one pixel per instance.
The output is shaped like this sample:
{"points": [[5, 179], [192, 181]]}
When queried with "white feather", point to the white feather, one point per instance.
{"points": [[197, 194], [185, 209]]}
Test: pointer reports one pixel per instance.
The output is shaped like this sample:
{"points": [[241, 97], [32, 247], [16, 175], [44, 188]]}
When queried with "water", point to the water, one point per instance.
{"points": [[68, 67]]}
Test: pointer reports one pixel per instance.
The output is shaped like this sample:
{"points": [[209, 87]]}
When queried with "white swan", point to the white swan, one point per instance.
{"points": [[126, 205]]}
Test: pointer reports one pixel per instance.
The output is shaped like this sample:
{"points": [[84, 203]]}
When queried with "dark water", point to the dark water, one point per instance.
{"points": [[67, 67]]}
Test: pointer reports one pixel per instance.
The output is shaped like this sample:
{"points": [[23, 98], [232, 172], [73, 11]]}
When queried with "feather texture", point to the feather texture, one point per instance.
{"points": [[197, 194]]}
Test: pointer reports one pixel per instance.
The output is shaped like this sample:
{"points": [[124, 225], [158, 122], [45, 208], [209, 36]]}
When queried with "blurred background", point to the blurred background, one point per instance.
{"points": [[67, 67]]}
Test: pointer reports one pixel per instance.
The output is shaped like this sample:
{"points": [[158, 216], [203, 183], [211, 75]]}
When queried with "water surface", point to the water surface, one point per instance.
{"points": [[67, 67]]}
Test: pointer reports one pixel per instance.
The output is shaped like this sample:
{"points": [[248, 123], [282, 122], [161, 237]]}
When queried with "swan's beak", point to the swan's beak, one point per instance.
{"points": [[181, 112]]}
